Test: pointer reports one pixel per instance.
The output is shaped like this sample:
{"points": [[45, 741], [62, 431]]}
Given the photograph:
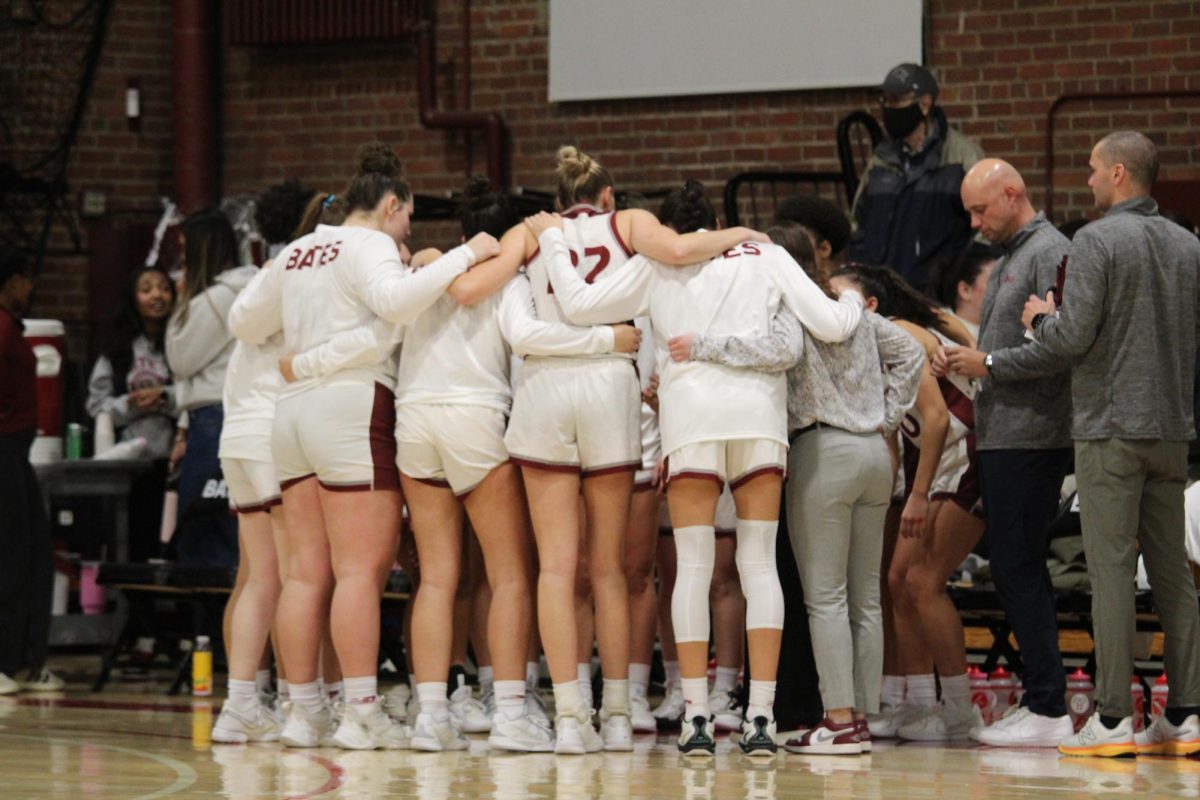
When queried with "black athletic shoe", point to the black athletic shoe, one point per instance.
{"points": [[758, 737], [696, 738]]}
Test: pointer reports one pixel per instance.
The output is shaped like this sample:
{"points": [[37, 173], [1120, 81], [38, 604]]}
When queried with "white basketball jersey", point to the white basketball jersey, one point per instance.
{"points": [[597, 250]]}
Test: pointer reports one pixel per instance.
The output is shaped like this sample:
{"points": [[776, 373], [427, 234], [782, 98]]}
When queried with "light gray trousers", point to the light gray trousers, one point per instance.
{"points": [[1131, 493], [838, 489]]}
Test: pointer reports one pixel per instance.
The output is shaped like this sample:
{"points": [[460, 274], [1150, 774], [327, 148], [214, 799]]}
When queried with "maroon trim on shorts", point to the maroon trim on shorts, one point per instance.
{"points": [[347, 487], [969, 491], [435, 482], [290, 482], [266, 505], [632, 466], [612, 222], [770, 469], [696, 474], [526, 463], [382, 435]]}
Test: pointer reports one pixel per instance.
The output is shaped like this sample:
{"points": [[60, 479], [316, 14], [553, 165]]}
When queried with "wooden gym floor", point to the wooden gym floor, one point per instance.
{"points": [[133, 742]]}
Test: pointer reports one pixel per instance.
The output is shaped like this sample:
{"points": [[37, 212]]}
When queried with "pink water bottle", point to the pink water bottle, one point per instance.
{"points": [[1158, 696], [981, 694], [1003, 686], [1080, 697], [1138, 695]]}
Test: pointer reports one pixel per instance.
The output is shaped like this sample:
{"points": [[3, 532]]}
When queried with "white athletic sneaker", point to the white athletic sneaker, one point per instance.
{"points": [[726, 712], [412, 710], [617, 732], [521, 735], [640, 715], [375, 730], [888, 721], [535, 706], [1024, 728], [8, 685], [828, 739], [670, 711], [306, 729], [488, 699], [945, 722], [574, 735], [435, 736], [1094, 739], [469, 714], [43, 681], [1164, 739], [238, 727], [696, 738]]}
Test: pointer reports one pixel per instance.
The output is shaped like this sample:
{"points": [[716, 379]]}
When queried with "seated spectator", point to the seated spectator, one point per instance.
{"points": [[131, 382], [907, 211]]}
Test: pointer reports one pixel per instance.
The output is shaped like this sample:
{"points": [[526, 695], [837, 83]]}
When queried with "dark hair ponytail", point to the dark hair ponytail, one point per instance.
{"points": [[946, 274], [482, 210], [895, 297], [687, 209]]}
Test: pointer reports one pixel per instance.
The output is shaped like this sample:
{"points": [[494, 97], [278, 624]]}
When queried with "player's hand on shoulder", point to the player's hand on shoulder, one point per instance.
{"points": [[423, 258], [681, 346], [540, 222]]}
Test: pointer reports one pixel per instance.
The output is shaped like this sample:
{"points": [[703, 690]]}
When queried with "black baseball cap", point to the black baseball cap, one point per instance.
{"points": [[906, 78]]}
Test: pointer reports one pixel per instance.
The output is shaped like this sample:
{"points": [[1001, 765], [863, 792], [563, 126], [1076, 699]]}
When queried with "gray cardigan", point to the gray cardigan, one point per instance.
{"points": [[1026, 401], [861, 385], [1129, 319]]}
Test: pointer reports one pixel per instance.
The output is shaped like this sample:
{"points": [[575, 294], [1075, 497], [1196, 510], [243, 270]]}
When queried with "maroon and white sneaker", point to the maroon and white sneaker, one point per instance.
{"points": [[864, 735], [829, 738]]}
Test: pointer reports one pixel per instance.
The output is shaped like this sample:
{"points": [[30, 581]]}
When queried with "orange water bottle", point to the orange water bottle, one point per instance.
{"points": [[202, 668]]}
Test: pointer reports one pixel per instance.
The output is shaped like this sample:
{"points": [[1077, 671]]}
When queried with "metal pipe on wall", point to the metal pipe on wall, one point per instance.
{"points": [[194, 122]]}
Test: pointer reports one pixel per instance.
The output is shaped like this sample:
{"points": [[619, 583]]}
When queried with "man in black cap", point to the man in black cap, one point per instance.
{"points": [[907, 211]]}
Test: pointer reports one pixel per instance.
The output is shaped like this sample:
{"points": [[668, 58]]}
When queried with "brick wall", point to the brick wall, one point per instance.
{"points": [[303, 112]]}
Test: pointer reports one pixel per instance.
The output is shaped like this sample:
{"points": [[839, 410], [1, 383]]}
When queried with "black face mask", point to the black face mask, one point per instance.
{"points": [[900, 122]]}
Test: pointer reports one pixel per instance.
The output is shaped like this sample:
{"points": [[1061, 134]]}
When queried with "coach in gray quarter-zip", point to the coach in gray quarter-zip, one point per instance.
{"points": [[1022, 415], [1129, 323]]}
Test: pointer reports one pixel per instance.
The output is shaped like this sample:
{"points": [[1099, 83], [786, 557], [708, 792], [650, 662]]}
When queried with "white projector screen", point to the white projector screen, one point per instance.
{"points": [[603, 49]]}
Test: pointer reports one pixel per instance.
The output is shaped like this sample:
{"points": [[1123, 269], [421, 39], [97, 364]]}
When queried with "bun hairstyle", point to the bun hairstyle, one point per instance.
{"points": [[378, 176], [580, 177], [483, 211], [687, 209]]}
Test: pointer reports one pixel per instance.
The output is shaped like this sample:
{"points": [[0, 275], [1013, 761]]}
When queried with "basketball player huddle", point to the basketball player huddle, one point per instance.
{"points": [[385, 386]]}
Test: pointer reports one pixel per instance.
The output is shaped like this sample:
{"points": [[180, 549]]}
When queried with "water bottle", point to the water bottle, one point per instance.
{"points": [[1003, 686], [981, 694], [1081, 694], [1138, 694], [202, 724], [105, 437], [202, 666], [1158, 696]]}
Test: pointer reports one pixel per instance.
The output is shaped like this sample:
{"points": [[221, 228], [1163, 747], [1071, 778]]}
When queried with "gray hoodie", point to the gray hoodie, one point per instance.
{"points": [[199, 350], [148, 368]]}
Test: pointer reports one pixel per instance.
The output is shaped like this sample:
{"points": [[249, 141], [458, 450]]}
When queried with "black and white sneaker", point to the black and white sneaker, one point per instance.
{"points": [[758, 737], [696, 739]]}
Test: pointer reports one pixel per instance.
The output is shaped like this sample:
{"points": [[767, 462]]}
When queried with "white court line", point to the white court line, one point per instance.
{"points": [[185, 776]]}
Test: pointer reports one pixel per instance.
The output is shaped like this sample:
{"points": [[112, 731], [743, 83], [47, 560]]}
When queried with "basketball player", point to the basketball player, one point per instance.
{"points": [[718, 426]]}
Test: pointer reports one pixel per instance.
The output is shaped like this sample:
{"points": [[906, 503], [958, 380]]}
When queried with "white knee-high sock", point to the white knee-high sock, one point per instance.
{"points": [[760, 579], [696, 549]]}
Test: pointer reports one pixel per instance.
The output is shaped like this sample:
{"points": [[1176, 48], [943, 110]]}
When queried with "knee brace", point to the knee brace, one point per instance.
{"points": [[760, 578], [696, 553]]}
